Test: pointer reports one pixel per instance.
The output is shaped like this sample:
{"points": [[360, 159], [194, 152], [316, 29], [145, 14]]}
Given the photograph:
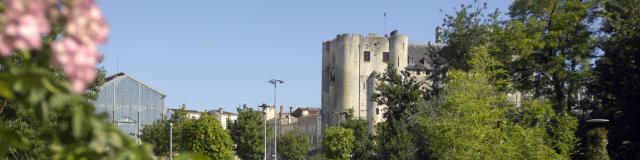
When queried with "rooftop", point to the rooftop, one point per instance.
{"points": [[121, 75]]}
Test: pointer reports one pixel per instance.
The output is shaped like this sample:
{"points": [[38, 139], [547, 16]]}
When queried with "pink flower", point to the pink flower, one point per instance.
{"points": [[77, 53], [24, 25], [25, 22], [77, 60]]}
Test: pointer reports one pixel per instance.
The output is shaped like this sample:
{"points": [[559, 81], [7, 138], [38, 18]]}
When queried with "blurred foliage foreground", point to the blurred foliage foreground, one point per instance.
{"points": [[48, 57]]}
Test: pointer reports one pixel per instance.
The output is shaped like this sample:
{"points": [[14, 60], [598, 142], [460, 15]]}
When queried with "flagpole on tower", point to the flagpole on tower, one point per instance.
{"points": [[384, 32]]}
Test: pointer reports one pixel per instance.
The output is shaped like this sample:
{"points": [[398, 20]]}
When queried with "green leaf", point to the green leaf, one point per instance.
{"points": [[5, 90], [77, 118]]}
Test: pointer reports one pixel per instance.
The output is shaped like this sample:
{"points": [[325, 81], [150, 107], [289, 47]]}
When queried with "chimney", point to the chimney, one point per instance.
{"points": [[439, 34], [220, 110], [281, 109], [290, 109]]}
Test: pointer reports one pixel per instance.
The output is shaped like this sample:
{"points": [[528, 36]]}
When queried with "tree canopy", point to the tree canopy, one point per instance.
{"points": [[248, 134], [618, 77], [474, 120], [293, 145], [338, 143], [206, 135]]}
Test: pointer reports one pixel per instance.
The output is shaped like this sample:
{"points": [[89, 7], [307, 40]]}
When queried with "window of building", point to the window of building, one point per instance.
{"points": [[367, 56], [377, 111], [385, 57], [410, 60]]}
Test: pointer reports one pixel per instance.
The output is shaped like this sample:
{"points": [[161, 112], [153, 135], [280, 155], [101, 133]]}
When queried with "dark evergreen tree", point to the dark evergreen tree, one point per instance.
{"points": [[618, 73]]}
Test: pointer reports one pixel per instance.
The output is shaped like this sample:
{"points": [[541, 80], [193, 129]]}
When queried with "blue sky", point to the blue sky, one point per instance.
{"points": [[211, 54]]}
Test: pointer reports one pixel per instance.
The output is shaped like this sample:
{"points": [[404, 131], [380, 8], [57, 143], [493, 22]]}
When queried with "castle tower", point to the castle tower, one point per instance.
{"points": [[347, 72], [399, 50], [350, 66], [340, 70]]}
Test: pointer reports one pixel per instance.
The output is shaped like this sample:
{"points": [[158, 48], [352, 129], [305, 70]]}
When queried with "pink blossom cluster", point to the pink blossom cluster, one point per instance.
{"points": [[26, 21], [77, 52]]}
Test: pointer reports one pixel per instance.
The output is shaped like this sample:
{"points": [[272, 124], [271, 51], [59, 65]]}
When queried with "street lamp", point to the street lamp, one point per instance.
{"points": [[275, 120], [170, 136], [599, 142], [597, 120], [264, 117], [170, 140]]}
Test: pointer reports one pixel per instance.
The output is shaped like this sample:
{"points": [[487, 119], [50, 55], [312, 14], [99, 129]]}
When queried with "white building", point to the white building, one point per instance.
{"points": [[224, 117]]}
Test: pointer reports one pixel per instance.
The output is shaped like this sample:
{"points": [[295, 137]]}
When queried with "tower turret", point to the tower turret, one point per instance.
{"points": [[399, 49]]}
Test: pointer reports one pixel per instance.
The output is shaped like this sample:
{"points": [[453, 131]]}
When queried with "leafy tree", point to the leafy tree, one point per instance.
{"points": [[293, 145], [472, 119], [58, 119], [557, 61], [247, 133], [470, 26], [396, 142], [206, 135], [363, 145], [20, 121], [42, 116], [157, 134], [618, 73], [23, 124], [338, 143], [401, 94]]}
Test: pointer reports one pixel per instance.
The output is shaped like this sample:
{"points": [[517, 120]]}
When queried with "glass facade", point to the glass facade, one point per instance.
{"points": [[129, 103]]}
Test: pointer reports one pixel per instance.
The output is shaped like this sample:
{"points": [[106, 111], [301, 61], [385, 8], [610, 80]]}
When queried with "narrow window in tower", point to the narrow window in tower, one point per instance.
{"points": [[367, 56], [385, 57], [377, 111]]}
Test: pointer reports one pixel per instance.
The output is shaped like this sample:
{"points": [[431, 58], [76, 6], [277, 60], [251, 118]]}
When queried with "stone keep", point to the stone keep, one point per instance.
{"points": [[351, 63]]}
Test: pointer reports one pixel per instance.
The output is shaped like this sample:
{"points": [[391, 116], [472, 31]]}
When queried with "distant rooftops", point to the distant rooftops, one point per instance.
{"points": [[187, 110], [210, 112], [220, 111], [306, 111]]}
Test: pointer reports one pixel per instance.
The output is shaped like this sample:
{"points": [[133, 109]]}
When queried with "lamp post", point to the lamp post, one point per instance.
{"points": [[264, 117], [170, 140], [597, 140], [275, 120], [170, 136]]}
